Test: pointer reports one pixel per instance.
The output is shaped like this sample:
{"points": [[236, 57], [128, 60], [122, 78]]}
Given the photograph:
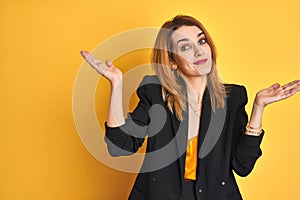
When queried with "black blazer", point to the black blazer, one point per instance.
{"points": [[223, 146]]}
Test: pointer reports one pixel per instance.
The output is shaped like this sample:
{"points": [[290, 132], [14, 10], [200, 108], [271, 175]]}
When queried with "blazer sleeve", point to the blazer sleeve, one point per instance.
{"points": [[129, 137], [245, 148]]}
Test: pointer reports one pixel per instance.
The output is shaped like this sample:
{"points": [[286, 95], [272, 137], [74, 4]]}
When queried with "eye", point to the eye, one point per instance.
{"points": [[185, 47], [202, 41]]}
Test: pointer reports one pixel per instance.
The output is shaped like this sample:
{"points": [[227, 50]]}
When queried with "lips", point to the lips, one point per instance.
{"points": [[201, 62]]}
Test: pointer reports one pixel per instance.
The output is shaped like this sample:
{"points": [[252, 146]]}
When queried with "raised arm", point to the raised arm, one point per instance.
{"points": [[114, 75], [265, 97]]}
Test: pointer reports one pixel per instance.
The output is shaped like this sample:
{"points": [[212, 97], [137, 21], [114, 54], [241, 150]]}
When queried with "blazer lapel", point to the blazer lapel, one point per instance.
{"points": [[180, 129], [211, 126], [204, 118]]}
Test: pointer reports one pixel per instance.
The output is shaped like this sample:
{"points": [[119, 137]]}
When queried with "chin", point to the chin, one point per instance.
{"points": [[205, 71]]}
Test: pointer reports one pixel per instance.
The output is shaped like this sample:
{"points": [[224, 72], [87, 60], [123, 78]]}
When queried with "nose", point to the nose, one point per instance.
{"points": [[199, 51]]}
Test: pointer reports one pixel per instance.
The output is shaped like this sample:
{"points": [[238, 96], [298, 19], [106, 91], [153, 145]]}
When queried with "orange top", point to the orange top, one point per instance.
{"points": [[191, 159]]}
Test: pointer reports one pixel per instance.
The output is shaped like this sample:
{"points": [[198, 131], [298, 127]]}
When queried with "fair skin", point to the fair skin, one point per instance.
{"points": [[192, 58], [114, 75], [193, 62], [191, 46]]}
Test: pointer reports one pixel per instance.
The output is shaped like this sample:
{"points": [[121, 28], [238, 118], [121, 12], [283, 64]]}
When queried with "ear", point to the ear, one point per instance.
{"points": [[173, 65]]}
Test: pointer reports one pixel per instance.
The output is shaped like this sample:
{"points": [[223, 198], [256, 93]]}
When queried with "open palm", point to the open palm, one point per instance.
{"points": [[107, 69], [276, 93]]}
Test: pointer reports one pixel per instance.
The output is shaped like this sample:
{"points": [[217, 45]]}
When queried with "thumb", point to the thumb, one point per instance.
{"points": [[109, 63], [275, 86]]}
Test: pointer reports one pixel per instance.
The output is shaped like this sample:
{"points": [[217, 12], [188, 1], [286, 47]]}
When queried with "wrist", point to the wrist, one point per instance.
{"points": [[116, 83], [258, 103], [254, 131]]}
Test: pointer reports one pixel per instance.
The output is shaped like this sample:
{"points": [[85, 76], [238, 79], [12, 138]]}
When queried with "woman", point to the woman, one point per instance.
{"points": [[204, 130]]}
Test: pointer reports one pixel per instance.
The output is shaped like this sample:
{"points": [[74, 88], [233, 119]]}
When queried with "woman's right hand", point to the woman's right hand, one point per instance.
{"points": [[108, 70]]}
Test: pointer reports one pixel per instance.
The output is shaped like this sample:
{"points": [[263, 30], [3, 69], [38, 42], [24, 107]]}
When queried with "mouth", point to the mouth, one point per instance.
{"points": [[201, 62]]}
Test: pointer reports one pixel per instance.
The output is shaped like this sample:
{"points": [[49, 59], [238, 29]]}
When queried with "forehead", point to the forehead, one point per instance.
{"points": [[191, 32]]}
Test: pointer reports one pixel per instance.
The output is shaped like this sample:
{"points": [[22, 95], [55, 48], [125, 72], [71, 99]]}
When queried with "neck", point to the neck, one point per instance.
{"points": [[196, 86]]}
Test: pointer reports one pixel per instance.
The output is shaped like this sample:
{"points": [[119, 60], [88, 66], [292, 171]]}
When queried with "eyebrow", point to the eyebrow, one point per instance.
{"points": [[185, 39]]}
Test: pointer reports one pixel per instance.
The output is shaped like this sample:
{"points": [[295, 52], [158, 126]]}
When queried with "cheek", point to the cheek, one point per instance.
{"points": [[180, 60], [208, 50], [186, 57]]}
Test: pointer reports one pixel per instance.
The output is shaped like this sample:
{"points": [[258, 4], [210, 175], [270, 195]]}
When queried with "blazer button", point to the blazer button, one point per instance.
{"points": [[154, 179], [199, 190], [223, 183]]}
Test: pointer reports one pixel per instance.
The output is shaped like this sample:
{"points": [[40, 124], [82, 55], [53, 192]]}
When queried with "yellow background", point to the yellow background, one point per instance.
{"points": [[41, 155]]}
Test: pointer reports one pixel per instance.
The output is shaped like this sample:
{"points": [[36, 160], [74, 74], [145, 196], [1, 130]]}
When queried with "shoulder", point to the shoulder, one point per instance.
{"points": [[236, 93], [150, 81], [235, 89], [149, 87]]}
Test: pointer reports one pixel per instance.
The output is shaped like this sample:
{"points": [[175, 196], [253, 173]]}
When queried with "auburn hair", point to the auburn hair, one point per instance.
{"points": [[162, 56]]}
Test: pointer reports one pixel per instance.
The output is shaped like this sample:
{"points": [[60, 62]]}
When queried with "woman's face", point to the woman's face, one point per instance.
{"points": [[192, 54]]}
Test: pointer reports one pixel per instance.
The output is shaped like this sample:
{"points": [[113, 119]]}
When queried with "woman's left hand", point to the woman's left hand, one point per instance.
{"points": [[276, 93]]}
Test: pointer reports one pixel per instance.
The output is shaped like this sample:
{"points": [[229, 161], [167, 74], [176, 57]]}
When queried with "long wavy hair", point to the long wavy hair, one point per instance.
{"points": [[162, 57]]}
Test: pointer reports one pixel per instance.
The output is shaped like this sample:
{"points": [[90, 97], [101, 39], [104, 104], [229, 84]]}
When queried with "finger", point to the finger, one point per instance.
{"points": [[101, 68], [94, 62], [109, 63], [291, 84], [290, 92], [286, 89], [84, 53], [274, 86], [290, 87], [295, 89]]}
